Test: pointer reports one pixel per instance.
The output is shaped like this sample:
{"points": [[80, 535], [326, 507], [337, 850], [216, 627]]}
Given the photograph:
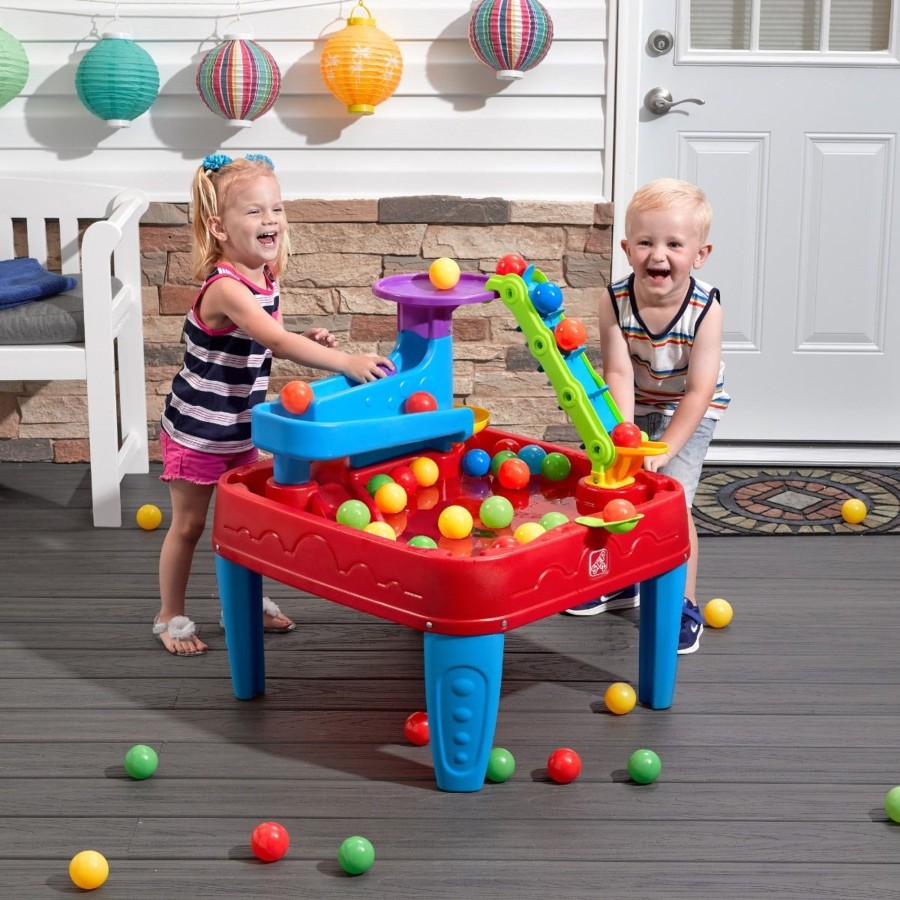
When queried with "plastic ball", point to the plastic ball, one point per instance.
{"points": [[495, 512], [718, 613], [390, 498], [513, 473], [376, 481], [296, 397], [555, 466], [511, 264], [501, 765], [428, 498], [406, 478], [356, 855], [527, 532], [426, 470], [626, 434], [506, 444], [148, 517], [644, 766], [504, 542], [455, 522], [444, 273], [853, 511], [570, 334], [419, 402], [476, 463], [620, 698], [353, 514], [88, 869], [892, 804], [547, 298], [423, 542], [564, 765], [141, 762], [619, 510], [416, 729], [552, 520], [532, 456], [381, 529], [269, 841], [499, 458]]}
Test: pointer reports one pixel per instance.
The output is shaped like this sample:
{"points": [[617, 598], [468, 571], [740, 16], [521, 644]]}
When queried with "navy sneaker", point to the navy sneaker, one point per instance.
{"points": [[627, 598], [691, 628]]}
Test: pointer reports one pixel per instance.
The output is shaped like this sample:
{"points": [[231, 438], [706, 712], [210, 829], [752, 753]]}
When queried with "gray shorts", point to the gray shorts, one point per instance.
{"points": [[687, 466]]}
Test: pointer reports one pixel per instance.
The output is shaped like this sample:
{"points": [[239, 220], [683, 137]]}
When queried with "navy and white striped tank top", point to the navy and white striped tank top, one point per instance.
{"points": [[224, 375]]}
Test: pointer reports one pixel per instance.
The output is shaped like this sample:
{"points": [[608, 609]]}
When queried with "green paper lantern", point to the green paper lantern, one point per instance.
{"points": [[13, 67], [117, 80]]}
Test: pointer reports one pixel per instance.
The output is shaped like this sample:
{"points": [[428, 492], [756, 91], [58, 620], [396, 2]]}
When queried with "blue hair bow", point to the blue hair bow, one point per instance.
{"points": [[216, 161]]}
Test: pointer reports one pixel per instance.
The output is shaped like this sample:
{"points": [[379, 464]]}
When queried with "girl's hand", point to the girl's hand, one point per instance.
{"points": [[321, 336], [364, 367]]}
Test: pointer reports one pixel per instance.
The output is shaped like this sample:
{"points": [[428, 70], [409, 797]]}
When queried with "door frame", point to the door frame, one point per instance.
{"points": [[628, 102]]}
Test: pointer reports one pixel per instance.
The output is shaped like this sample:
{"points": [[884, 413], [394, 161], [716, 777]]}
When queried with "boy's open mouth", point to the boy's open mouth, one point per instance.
{"points": [[654, 272]]}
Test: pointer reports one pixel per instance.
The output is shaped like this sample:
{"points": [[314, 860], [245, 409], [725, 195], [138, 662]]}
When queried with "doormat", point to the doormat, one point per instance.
{"points": [[773, 501]]}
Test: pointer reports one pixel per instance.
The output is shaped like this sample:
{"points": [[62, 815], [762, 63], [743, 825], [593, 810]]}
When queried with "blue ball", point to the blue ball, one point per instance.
{"points": [[547, 298], [532, 455], [476, 463]]}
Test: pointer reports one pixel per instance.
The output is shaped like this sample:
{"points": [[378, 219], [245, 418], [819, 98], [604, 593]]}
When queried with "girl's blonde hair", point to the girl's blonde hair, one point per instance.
{"points": [[210, 190], [672, 193]]}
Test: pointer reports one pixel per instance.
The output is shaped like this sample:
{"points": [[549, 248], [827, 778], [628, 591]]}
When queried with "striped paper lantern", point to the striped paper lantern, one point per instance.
{"points": [[13, 67], [239, 80], [510, 36]]}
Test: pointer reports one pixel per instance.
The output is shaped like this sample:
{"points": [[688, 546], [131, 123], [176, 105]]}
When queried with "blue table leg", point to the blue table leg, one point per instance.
{"points": [[462, 695], [240, 591], [662, 598]]}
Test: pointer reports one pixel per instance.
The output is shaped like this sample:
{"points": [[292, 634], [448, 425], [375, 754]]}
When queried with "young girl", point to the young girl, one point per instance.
{"points": [[231, 334]]}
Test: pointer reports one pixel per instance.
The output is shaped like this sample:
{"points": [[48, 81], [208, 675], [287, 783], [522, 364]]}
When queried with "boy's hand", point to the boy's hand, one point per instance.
{"points": [[321, 336], [653, 463], [365, 367]]}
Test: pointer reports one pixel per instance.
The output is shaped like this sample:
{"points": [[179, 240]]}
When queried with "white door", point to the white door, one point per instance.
{"points": [[796, 148]]}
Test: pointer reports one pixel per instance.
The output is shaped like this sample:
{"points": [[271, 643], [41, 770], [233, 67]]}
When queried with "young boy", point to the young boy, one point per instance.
{"points": [[661, 342]]}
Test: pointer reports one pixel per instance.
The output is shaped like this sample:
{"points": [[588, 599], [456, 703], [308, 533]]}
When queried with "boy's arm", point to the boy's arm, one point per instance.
{"points": [[617, 369], [703, 373]]}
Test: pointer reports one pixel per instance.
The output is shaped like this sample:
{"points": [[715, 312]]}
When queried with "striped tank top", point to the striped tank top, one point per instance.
{"points": [[224, 375], [660, 361]]}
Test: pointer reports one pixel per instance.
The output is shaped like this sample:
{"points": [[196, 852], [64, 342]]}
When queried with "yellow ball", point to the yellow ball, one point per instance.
{"points": [[455, 523], [444, 273], [88, 869], [528, 531], [425, 470], [853, 511], [620, 698], [148, 517], [718, 613], [381, 529], [390, 497]]}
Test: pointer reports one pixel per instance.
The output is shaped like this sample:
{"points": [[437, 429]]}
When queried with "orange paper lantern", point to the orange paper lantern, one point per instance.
{"points": [[361, 65]]}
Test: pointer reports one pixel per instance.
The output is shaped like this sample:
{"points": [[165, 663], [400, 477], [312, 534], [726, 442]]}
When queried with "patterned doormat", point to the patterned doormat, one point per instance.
{"points": [[771, 501]]}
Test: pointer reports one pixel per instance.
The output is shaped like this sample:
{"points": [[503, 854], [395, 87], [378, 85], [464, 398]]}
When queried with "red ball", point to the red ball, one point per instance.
{"points": [[504, 542], [506, 444], [419, 402], [570, 334], [564, 765], [618, 510], [626, 434], [269, 841], [513, 473], [296, 397], [406, 478], [416, 729], [511, 264]]}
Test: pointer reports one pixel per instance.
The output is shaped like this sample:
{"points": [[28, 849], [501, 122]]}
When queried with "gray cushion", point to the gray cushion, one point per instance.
{"points": [[54, 320]]}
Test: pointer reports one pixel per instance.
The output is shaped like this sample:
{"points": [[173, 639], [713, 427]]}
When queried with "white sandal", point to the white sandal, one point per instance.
{"points": [[270, 607], [179, 628]]}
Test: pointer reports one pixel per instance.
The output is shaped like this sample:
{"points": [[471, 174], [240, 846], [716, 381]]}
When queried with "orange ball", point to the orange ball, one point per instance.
{"points": [[620, 698], [390, 498], [426, 471], [455, 522], [296, 397], [444, 273]]}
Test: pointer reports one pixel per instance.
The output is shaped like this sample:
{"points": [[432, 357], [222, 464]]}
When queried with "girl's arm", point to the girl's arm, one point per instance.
{"points": [[617, 370]]}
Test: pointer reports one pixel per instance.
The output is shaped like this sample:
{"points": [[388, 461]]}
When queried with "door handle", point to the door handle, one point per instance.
{"points": [[659, 101]]}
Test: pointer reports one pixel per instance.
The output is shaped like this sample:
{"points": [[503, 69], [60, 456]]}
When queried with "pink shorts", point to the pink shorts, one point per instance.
{"points": [[182, 463]]}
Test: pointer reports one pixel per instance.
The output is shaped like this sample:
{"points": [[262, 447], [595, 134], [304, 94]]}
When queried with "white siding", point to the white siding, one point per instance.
{"points": [[451, 127]]}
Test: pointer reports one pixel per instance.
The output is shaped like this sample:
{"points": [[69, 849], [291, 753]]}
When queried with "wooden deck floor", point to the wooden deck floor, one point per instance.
{"points": [[777, 754]]}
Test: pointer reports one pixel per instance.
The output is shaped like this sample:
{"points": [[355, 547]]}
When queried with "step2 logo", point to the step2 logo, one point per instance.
{"points": [[598, 563]]}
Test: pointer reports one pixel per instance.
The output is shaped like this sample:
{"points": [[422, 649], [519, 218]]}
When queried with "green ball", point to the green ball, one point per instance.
{"points": [[375, 482], [501, 765], [892, 804], [552, 520], [141, 761], [356, 855], [498, 459], [353, 514], [555, 466], [423, 541], [496, 512], [644, 766]]}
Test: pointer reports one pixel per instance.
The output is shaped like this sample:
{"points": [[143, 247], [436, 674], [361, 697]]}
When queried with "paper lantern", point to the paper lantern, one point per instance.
{"points": [[510, 36], [13, 67], [117, 80], [361, 65], [239, 80]]}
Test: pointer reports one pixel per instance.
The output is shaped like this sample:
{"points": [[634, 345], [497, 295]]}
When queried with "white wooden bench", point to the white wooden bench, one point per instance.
{"points": [[107, 261]]}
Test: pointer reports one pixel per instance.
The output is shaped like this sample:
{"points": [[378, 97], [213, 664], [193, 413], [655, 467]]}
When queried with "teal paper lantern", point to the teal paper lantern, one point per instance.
{"points": [[117, 80], [13, 67]]}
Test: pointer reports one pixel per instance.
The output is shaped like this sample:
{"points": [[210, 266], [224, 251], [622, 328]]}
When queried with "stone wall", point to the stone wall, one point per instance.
{"points": [[339, 249]]}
